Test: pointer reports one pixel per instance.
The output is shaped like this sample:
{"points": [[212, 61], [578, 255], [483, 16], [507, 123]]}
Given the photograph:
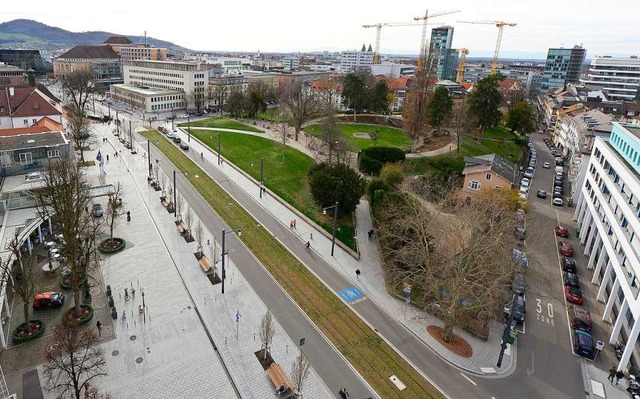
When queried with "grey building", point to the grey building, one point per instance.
{"points": [[445, 58], [619, 78], [563, 66], [25, 59]]}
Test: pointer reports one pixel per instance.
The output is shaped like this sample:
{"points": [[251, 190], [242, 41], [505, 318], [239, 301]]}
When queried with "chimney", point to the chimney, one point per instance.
{"points": [[31, 74], [11, 91]]}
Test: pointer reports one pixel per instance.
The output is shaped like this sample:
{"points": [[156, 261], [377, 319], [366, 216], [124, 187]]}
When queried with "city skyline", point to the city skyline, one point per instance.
{"points": [[285, 28]]}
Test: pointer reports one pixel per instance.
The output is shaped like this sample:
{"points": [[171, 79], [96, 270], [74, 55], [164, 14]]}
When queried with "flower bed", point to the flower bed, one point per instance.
{"points": [[23, 334], [86, 315], [66, 284], [109, 246]]}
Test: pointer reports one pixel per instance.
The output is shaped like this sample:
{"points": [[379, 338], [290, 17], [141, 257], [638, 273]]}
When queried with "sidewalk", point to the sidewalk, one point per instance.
{"points": [[371, 280], [188, 333], [597, 383]]}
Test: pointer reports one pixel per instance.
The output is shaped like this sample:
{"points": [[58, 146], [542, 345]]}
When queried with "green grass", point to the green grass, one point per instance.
{"points": [[389, 137], [223, 123], [271, 114], [371, 356], [287, 180]]}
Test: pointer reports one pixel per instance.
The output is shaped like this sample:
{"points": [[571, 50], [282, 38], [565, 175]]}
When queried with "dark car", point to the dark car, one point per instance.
{"points": [[570, 279], [583, 344], [562, 231], [519, 233], [518, 283], [97, 211], [184, 146], [541, 194], [568, 264], [580, 318], [573, 294], [48, 299], [565, 248], [519, 309]]}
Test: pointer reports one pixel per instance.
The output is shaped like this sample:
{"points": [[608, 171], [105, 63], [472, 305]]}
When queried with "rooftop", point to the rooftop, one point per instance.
{"points": [[90, 52], [118, 40], [500, 166], [35, 140], [146, 91]]}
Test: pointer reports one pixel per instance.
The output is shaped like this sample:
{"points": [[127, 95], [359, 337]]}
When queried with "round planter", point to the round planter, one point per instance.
{"points": [[86, 315], [20, 336], [109, 246], [66, 285]]}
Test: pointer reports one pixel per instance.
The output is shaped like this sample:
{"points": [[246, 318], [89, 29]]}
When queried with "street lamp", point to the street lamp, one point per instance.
{"points": [[335, 222], [189, 127], [144, 306], [218, 147], [261, 174], [224, 252]]}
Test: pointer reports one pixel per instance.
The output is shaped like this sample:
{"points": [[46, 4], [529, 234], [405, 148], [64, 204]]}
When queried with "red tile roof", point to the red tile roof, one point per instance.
{"points": [[44, 125], [90, 52], [26, 101]]}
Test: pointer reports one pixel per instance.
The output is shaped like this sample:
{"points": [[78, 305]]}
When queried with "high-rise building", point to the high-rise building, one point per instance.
{"points": [[445, 58], [619, 78], [563, 66], [356, 61]]}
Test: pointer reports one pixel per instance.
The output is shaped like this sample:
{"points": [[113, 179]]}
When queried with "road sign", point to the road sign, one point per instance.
{"points": [[237, 316], [352, 295], [301, 341], [599, 345]]}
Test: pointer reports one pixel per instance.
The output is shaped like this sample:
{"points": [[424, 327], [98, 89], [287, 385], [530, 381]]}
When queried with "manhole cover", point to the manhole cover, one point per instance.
{"points": [[114, 353], [139, 360], [133, 337]]}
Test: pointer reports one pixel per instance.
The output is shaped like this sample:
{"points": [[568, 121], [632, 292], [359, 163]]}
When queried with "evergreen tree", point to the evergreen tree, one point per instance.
{"points": [[440, 106]]}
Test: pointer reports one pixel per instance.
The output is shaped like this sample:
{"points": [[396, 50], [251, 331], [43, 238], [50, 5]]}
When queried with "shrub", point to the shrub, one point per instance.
{"points": [[385, 154], [369, 165], [392, 174]]}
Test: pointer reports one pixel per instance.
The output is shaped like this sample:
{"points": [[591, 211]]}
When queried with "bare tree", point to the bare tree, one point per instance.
{"points": [[163, 181], [73, 362], [282, 128], [199, 230], [188, 218], [64, 197], [300, 104], [300, 371], [115, 208], [78, 85], [156, 171], [375, 136], [462, 121], [267, 332], [415, 110], [180, 205], [213, 252], [332, 145], [80, 132]]}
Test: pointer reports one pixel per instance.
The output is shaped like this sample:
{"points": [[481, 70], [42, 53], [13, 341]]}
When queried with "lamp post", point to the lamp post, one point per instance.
{"points": [[175, 190], [261, 174], [218, 148], [149, 156], [224, 253], [335, 223], [144, 306]]}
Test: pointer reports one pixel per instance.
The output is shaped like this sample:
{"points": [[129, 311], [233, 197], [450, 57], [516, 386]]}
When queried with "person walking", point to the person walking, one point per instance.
{"points": [[612, 373], [99, 326], [358, 274], [344, 394], [619, 375]]}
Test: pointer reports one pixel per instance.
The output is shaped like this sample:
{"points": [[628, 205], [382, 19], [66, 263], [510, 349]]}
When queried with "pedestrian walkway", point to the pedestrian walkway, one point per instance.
{"points": [[188, 332], [371, 280], [597, 384]]}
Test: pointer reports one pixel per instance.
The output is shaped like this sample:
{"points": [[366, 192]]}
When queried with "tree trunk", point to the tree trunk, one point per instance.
{"points": [[297, 130], [264, 358], [447, 330], [354, 113], [25, 309], [81, 153], [111, 230], [77, 301]]}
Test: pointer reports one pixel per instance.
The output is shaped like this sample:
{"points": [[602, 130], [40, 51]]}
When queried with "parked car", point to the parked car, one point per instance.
{"points": [[541, 194], [557, 201], [583, 344], [97, 211], [565, 248], [518, 310], [568, 264], [519, 233], [580, 318], [562, 231], [176, 139], [161, 129], [546, 165], [171, 117], [529, 172], [184, 146], [559, 161], [184, 116], [570, 279], [573, 294], [518, 283], [526, 182], [48, 299]]}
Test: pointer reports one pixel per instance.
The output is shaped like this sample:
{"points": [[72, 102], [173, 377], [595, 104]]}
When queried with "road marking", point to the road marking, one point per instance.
{"points": [[352, 295], [468, 379], [532, 369]]}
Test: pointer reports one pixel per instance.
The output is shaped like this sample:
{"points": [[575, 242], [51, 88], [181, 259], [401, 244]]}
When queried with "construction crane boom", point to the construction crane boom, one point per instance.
{"points": [[423, 40], [500, 25], [463, 58], [378, 26]]}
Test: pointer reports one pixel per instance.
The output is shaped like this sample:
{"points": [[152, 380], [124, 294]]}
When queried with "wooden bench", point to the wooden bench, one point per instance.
{"points": [[182, 227], [280, 379], [205, 264], [166, 202]]}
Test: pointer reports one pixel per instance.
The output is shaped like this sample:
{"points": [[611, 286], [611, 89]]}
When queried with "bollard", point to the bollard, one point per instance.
{"points": [[287, 349]]}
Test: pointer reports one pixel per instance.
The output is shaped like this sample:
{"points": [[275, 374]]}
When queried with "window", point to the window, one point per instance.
{"points": [[488, 177], [53, 154], [25, 158], [474, 185], [25, 122]]}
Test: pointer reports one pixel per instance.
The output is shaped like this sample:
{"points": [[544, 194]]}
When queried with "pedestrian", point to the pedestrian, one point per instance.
{"points": [[369, 234], [619, 375], [612, 373], [99, 325], [291, 224], [308, 245], [107, 157], [344, 394], [128, 216], [358, 274], [294, 224]]}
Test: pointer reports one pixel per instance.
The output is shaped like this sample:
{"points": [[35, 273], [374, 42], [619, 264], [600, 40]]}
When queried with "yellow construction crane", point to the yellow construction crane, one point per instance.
{"points": [[423, 40], [463, 58], [500, 25], [378, 26]]}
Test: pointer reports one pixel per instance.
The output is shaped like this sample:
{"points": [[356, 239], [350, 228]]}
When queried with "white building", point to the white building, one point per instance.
{"points": [[608, 216], [232, 66], [392, 70], [356, 61], [162, 85], [291, 62], [619, 78]]}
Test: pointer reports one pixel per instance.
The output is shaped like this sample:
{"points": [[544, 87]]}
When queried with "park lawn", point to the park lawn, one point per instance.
{"points": [[223, 123], [271, 114], [389, 137], [505, 147], [287, 180], [370, 355]]}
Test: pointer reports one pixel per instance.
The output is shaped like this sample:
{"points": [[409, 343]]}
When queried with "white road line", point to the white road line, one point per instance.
{"points": [[468, 379], [566, 302]]}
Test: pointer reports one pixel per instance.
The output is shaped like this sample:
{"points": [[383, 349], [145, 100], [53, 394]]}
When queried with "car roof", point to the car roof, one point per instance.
{"points": [[581, 312], [583, 335], [574, 290]]}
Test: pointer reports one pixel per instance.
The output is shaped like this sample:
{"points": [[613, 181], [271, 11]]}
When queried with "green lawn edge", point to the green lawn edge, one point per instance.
{"points": [[222, 123], [371, 356]]}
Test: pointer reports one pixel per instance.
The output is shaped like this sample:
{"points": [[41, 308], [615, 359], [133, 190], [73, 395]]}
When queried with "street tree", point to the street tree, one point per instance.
{"points": [[415, 110], [80, 131], [74, 362], [462, 120], [300, 372], [440, 106], [378, 97], [281, 125], [115, 208], [236, 103], [188, 219], [336, 183], [301, 105], [78, 86], [64, 197], [331, 146], [521, 118], [484, 103], [199, 231], [267, 332], [354, 91]]}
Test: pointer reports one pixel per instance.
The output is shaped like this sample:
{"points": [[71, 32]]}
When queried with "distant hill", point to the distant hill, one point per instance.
{"points": [[29, 34]]}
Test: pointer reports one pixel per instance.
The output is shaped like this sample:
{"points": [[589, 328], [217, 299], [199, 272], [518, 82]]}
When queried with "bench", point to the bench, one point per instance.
{"points": [[166, 202], [182, 227], [205, 264], [280, 380]]}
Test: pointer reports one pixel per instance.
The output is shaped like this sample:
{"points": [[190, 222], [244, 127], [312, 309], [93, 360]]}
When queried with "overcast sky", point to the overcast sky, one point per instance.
{"points": [[603, 28]]}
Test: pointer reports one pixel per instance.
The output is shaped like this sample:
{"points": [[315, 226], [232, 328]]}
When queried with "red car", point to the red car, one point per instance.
{"points": [[48, 300], [565, 248], [573, 294], [562, 231]]}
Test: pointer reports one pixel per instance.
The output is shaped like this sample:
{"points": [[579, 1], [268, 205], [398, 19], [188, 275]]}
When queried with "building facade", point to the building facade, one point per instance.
{"points": [[608, 216], [392, 70], [142, 52], [487, 171], [444, 57], [25, 59], [619, 78], [563, 65], [356, 61], [101, 61], [220, 88]]}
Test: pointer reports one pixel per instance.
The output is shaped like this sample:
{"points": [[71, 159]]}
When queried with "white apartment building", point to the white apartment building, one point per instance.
{"points": [[608, 217], [392, 70], [232, 66], [356, 61], [290, 62], [619, 78], [163, 85]]}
